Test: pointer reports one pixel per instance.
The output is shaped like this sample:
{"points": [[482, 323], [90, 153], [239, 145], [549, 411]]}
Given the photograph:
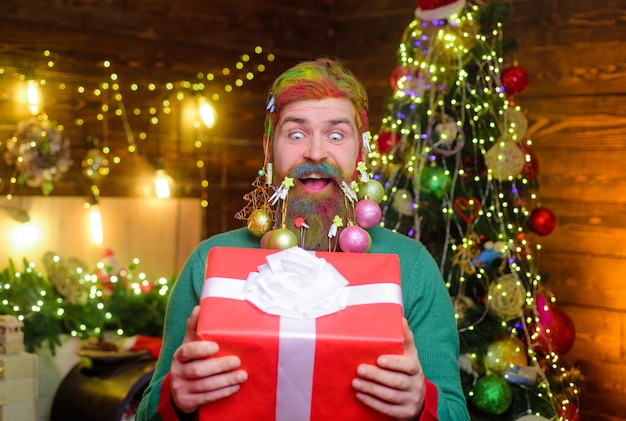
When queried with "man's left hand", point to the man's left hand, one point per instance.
{"points": [[395, 385]]}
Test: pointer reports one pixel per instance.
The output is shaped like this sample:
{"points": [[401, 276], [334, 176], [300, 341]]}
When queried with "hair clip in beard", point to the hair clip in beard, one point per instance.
{"points": [[302, 225], [366, 139], [269, 173]]}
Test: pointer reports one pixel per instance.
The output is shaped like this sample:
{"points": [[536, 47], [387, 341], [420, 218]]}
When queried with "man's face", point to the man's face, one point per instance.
{"points": [[316, 143], [316, 131]]}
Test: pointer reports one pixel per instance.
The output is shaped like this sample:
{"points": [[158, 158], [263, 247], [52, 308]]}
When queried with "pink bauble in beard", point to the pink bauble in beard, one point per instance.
{"points": [[265, 239], [367, 213], [355, 239]]}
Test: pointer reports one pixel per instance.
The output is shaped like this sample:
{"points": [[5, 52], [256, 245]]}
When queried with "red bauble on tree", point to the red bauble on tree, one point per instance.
{"points": [[569, 412], [530, 170], [542, 221], [386, 141], [561, 335], [514, 80], [397, 74]]}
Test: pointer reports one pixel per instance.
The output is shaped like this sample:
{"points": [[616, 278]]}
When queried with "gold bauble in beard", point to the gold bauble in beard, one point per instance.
{"points": [[260, 221], [282, 239], [371, 189]]}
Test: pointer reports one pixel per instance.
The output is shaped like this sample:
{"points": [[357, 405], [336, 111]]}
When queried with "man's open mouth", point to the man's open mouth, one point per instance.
{"points": [[314, 183]]}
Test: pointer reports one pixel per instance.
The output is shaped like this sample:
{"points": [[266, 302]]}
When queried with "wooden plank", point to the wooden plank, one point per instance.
{"points": [[585, 279], [576, 122], [589, 176], [582, 68], [604, 394], [587, 228], [224, 24], [598, 333], [564, 23]]}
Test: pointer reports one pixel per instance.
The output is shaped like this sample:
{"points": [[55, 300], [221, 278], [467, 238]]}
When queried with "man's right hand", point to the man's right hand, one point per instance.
{"points": [[197, 379]]}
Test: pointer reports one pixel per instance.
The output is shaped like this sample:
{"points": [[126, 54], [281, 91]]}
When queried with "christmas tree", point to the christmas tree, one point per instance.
{"points": [[460, 176]]}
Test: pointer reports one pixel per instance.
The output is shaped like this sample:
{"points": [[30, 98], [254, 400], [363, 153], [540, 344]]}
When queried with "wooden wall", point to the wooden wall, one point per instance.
{"points": [[574, 54]]}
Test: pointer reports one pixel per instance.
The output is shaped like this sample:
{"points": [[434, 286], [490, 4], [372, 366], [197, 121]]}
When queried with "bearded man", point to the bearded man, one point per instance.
{"points": [[314, 132]]}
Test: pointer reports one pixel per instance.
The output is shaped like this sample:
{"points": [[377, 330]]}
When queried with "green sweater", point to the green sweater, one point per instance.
{"points": [[427, 307]]}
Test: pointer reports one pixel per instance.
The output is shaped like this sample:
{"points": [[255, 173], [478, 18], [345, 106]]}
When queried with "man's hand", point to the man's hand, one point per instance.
{"points": [[395, 386], [197, 379]]}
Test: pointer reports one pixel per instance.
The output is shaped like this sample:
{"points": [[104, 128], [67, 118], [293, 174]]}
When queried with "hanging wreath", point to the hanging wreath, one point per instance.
{"points": [[39, 152]]}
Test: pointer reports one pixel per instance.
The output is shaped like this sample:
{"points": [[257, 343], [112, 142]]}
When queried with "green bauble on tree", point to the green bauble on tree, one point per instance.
{"points": [[492, 394]]}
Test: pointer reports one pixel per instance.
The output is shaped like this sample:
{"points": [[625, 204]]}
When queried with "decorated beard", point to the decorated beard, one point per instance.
{"points": [[322, 210], [317, 210]]}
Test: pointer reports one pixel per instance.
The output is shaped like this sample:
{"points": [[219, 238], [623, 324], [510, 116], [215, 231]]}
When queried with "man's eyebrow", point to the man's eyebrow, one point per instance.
{"points": [[301, 120], [293, 119], [336, 121]]}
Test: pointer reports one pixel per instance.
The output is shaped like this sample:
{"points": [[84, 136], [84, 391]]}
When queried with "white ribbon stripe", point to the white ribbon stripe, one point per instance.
{"points": [[232, 288]]}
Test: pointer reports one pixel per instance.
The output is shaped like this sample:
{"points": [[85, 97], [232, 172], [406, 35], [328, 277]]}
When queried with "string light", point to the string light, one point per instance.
{"points": [[209, 87]]}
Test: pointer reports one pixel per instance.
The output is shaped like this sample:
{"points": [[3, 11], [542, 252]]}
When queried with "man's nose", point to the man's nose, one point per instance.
{"points": [[316, 149]]}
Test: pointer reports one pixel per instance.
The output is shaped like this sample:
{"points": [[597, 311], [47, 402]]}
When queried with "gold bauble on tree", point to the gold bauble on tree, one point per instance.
{"points": [[443, 49], [504, 353]]}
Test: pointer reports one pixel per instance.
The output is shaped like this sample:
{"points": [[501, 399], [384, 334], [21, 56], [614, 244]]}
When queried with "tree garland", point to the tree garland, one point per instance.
{"points": [[69, 299]]}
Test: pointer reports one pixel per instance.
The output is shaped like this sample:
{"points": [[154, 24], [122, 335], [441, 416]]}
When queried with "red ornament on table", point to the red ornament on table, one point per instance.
{"points": [[542, 221], [514, 80]]}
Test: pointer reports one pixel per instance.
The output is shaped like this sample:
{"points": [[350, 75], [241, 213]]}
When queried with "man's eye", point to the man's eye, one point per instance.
{"points": [[336, 136], [296, 136]]}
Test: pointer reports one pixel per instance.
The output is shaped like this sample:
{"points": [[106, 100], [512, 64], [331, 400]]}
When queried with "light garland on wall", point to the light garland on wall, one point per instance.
{"points": [[113, 90]]}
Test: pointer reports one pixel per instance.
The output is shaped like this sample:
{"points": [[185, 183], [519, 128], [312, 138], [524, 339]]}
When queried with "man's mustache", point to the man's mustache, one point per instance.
{"points": [[323, 169]]}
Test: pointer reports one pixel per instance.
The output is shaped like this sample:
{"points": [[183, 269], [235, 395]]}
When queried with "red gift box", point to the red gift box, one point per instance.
{"points": [[300, 369]]}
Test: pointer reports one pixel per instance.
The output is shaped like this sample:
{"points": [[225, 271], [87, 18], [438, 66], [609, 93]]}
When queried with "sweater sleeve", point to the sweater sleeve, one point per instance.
{"points": [[183, 298], [431, 400], [156, 403], [429, 311]]}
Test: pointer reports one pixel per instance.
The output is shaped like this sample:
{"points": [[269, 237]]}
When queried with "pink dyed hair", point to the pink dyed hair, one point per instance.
{"points": [[319, 79]]}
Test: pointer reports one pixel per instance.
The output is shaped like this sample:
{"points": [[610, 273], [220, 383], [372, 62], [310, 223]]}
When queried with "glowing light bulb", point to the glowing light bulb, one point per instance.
{"points": [[34, 98], [95, 224], [162, 183], [207, 112]]}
